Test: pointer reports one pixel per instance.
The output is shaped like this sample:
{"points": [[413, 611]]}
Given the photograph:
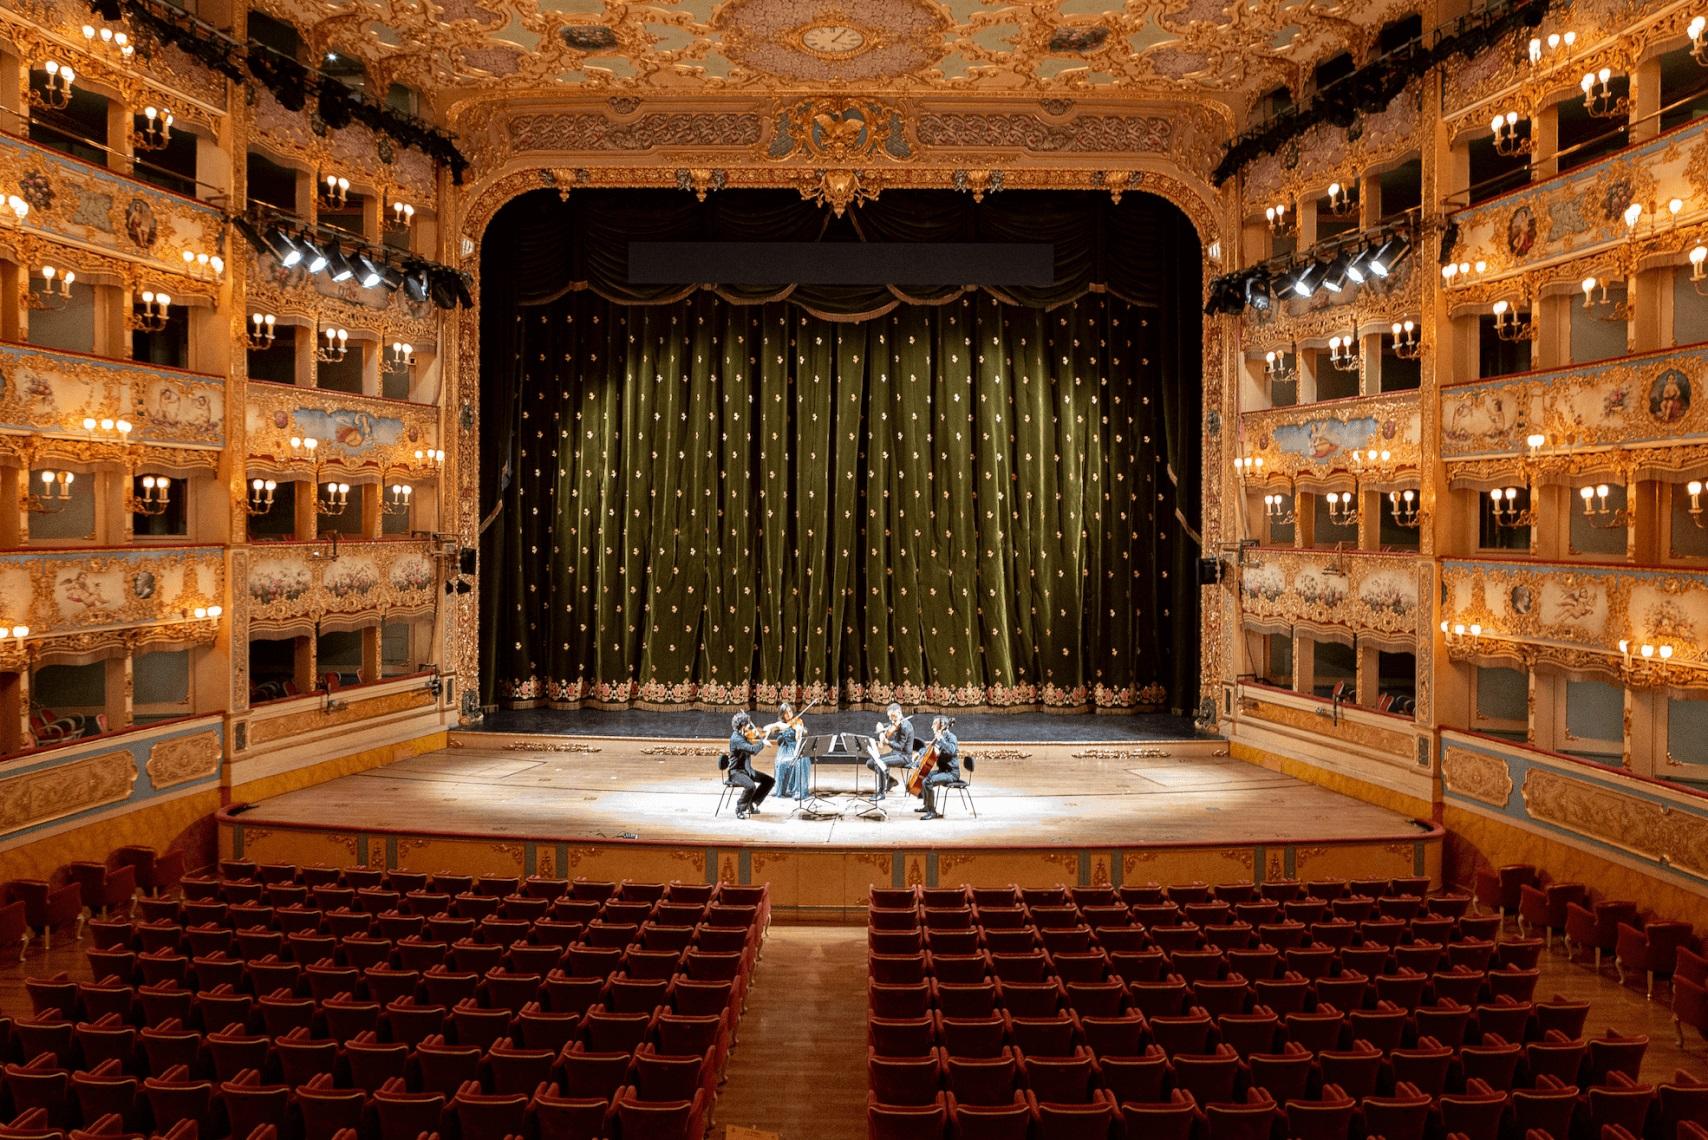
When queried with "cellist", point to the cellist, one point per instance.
{"points": [[942, 765]]}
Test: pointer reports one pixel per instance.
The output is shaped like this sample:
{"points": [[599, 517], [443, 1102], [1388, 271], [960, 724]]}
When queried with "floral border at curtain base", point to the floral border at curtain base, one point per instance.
{"points": [[554, 692]]}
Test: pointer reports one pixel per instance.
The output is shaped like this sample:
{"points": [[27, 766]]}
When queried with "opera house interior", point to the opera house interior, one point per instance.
{"points": [[908, 569]]}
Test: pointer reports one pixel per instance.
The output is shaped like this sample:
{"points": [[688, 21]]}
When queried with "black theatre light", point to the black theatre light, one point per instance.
{"points": [[1334, 280], [1358, 268], [287, 251], [1305, 283], [1257, 292], [415, 284], [1393, 251], [373, 272], [337, 265], [312, 256]]}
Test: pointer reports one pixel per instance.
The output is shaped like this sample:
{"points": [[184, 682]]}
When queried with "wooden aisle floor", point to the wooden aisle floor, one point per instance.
{"points": [[668, 791], [799, 1067]]}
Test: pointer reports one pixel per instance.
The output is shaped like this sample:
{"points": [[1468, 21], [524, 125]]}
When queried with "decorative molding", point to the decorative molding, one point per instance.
{"points": [[1641, 826], [1382, 740], [1361, 592], [1477, 775], [294, 585], [57, 791], [81, 600], [1316, 440], [360, 437], [183, 758], [264, 729], [49, 393]]}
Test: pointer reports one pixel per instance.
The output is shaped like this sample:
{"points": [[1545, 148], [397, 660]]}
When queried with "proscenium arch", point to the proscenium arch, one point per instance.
{"points": [[1203, 206]]}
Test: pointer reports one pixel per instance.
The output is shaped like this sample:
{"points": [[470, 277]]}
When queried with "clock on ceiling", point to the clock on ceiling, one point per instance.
{"points": [[833, 39]]}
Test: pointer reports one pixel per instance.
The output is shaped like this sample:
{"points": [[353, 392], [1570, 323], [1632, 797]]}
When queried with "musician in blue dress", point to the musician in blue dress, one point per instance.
{"points": [[794, 771]]}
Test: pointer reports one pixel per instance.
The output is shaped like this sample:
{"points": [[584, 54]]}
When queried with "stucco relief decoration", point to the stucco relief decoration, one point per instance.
{"points": [[46, 391], [1664, 833], [296, 583], [839, 130], [1477, 775], [1370, 593], [385, 314], [592, 131], [1644, 405], [82, 602], [55, 792], [1299, 440], [355, 432], [1327, 153], [867, 42], [185, 758]]}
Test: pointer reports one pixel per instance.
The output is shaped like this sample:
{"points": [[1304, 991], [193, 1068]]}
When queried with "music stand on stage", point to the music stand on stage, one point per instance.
{"points": [[831, 749]]}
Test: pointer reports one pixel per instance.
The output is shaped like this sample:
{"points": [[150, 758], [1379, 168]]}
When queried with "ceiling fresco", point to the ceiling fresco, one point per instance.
{"points": [[463, 52]]}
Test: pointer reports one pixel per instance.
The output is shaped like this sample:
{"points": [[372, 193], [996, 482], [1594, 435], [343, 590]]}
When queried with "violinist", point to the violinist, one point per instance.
{"points": [[794, 771], [746, 742], [895, 739], [944, 754]]}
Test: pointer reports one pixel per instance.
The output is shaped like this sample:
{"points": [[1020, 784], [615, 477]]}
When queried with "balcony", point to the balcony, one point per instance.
{"points": [[191, 88], [1315, 440], [299, 587], [350, 151], [90, 601], [1586, 805], [116, 224], [1369, 594], [1576, 617], [357, 434], [52, 392]]}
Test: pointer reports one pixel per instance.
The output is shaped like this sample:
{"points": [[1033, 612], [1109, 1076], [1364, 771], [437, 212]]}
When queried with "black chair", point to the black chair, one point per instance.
{"points": [[731, 789], [962, 785]]}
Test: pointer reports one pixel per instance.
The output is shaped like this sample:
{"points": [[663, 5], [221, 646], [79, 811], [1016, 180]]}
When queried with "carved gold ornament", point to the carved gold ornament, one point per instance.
{"points": [[55, 792], [183, 759], [1478, 775]]}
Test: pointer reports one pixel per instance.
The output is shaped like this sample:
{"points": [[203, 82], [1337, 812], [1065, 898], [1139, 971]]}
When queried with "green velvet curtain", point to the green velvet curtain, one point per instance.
{"points": [[968, 503]]}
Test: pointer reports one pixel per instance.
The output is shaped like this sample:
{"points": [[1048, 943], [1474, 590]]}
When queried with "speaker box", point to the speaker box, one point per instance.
{"points": [[465, 560], [1209, 571]]}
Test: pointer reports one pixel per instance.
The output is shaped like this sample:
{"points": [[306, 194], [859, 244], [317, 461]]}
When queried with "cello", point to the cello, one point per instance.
{"points": [[927, 764]]}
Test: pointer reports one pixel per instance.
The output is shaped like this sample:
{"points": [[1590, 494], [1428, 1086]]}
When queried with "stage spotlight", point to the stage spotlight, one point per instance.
{"points": [[287, 251], [337, 265], [441, 287], [1257, 292], [1306, 282], [415, 284], [373, 273], [1358, 268], [1393, 252], [312, 255], [1335, 279]]}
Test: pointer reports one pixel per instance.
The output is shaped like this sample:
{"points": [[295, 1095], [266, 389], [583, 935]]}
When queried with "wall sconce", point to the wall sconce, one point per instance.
{"points": [[1597, 512], [156, 130], [398, 500], [260, 499], [1343, 506], [1342, 200], [1457, 631], [1598, 98], [17, 632], [334, 500], [1509, 325], [1507, 141], [1278, 368], [151, 313], [1698, 44], [1282, 218], [335, 347], [51, 493], [1455, 272], [1405, 343], [203, 613], [1694, 489], [107, 40], [55, 289], [1279, 509], [155, 497], [1404, 507], [335, 191], [401, 358], [55, 94], [400, 217], [1603, 307], [1554, 43], [108, 425], [1245, 466], [1504, 500], [1343, 353], [1641, 656], [16, 207], [203, 266], [436, 457], [262, 330]]}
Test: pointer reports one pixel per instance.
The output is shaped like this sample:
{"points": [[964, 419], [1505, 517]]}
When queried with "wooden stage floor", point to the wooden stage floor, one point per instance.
{"points": [[666, 791], [601, 807]]}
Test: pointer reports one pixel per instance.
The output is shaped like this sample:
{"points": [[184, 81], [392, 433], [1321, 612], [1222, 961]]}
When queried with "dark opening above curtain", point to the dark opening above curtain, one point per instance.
{"points": [[703, 498]]}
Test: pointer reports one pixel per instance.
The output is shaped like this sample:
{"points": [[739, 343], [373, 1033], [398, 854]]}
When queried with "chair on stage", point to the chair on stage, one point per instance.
{"points": [[731, 789], [962, 784]]}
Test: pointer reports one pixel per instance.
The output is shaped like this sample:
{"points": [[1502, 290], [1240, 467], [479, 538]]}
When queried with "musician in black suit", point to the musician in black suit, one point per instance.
{"points": [[745, 742], [946, 766], [897, 737]]}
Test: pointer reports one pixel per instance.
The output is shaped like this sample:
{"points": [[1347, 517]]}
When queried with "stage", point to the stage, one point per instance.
{"points": [[643, 807]]}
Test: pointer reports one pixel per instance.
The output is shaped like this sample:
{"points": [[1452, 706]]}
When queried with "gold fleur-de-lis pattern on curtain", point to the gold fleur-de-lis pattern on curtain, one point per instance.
{"points": [[963, 504]]}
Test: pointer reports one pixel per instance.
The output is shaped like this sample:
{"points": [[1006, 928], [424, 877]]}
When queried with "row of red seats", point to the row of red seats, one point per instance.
{"points": [[1449, 910], [1142, 893], [418, 912]]}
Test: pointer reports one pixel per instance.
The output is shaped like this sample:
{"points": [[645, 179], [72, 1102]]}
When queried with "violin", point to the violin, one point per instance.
{"points": [[753, 734], [795, 722]]}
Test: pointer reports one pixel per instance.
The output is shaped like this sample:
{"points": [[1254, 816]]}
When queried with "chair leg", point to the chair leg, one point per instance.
{"points": [[1650, 976], [1598, 959]]}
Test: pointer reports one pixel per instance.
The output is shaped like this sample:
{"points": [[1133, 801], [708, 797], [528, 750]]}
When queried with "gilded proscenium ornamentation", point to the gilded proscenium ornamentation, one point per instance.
{"points": [[292, 586], [1476, 775], [839, 189], [44, 392], [1366, 593], [1326, 155], [840, 130], [1575, 616], [1638, 411], [1313, 442]]}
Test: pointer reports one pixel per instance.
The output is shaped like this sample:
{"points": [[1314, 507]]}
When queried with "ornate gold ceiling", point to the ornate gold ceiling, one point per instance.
{"points": [[465, 51]]}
